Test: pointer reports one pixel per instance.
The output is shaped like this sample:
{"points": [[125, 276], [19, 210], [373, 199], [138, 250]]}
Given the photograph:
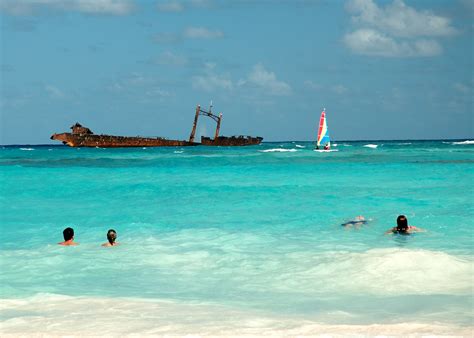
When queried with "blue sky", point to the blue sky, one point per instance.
{"points": [[382, 69]]}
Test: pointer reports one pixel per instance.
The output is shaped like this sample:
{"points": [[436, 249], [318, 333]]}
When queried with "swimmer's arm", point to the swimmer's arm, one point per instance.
{"points": [[390, 231]]}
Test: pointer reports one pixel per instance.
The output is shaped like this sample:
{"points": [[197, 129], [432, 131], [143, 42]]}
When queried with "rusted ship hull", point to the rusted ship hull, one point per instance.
{"points": [[84, 137], [231, 141]]}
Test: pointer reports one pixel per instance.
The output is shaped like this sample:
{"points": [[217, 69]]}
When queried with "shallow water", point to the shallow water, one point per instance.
{"points": [[251, 233]]}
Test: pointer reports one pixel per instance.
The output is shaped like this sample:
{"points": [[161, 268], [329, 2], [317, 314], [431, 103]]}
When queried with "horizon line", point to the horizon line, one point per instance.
{"points": [[281, 141]]}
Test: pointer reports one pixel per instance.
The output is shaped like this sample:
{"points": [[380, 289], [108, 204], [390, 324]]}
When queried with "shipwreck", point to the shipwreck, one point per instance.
{"points": [[81, 136], [84, 137], [220, 140]]}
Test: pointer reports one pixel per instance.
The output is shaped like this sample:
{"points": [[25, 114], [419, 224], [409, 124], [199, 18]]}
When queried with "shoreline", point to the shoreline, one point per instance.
{"points": [[58, 315]]}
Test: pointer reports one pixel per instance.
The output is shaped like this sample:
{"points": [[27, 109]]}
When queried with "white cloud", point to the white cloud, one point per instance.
{"points": [[202, 33], [339, 89], [313, 86], [115, 7], [188, 33], [54, 92], [202, 3], [172, 6], [263, 79], [395, 30], [398, 19], [372, 42], [140, 88], [29, 7], [211, 81], [177, 6], [258, 82], [157, 92], [170, 59]]}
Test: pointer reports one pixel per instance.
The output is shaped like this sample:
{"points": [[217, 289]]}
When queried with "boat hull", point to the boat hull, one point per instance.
{"points": [[231, 141], [109, 141]]}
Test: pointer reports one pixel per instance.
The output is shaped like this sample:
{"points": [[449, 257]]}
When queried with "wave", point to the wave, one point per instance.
{"points": [[131, 316], [27, 149], [463, 142], [300, 146], [373, 146], [278, 150], [178, 151], [419, 271]]}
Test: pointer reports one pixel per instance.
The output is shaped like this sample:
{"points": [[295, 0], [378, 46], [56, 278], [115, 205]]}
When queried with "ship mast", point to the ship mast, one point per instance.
{"points": [[193, 132], [209, 113]]}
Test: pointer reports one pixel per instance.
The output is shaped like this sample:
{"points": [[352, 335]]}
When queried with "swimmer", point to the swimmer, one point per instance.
{"points": [[402, 227], [111, 237], [356, 222], [68, 235]]}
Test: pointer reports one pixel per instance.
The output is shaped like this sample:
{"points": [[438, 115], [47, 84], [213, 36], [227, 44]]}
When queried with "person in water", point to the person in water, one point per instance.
{"points": [[68, 235], [402, 227], [111, 237], [356, 222]]}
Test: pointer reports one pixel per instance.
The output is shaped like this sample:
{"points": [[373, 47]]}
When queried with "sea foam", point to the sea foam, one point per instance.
{"points": [[464, 142]]}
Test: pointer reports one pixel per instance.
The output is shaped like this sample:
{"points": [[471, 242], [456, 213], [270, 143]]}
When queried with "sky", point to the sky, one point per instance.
{"points": [[395, 69]]}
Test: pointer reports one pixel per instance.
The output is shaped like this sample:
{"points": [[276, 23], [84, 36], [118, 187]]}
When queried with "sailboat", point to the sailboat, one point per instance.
{"points": [[323, 142]]}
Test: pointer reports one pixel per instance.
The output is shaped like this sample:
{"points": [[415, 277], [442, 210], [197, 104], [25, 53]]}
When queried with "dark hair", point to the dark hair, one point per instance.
{"points": [[402, 223], [68, 234], [111, 236]]}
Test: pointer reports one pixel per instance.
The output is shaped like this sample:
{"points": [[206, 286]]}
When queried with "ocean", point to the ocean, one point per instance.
{"points": [[238, 241]]}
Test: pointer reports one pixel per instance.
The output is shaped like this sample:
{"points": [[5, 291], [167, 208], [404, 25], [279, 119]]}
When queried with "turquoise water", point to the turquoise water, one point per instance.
{"points": [[250, 233]]}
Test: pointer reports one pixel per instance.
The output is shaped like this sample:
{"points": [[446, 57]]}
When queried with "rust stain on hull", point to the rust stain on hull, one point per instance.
{"points": [[220, 140], [84, 137], [231, 141]]}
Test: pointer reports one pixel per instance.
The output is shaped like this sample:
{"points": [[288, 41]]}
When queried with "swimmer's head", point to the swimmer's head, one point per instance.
{"points": [[402, 223], [111, 236], [68, 234]]}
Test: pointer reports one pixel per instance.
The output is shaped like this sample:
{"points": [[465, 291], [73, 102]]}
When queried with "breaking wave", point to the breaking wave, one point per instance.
{"points": [[372, 146], [464, 142], [278, 150]]}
